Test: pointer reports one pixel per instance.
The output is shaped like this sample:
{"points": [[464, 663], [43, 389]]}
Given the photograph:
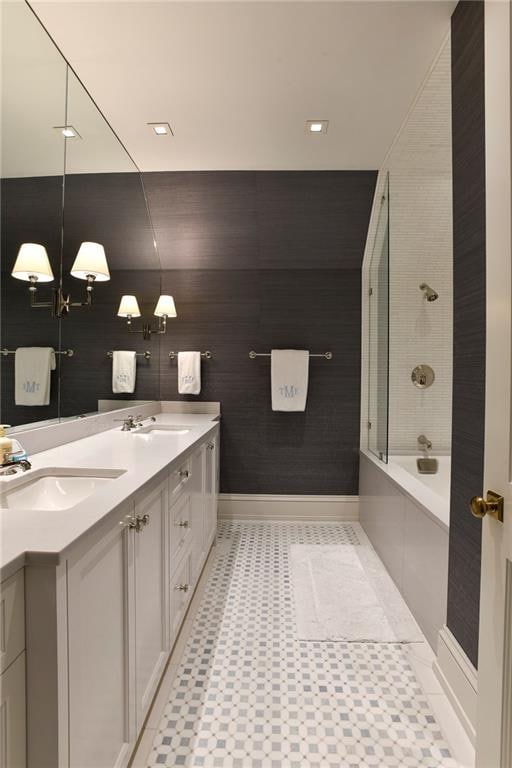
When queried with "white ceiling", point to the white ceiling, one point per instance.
{"points": [[238, 80]]}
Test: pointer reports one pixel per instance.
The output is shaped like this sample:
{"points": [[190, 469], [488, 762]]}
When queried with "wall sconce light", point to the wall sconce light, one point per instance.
{"points": [[33, 266], [129, 308]]}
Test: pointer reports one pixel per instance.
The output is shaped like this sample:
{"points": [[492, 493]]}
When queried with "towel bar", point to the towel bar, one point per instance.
{"points": [[326, 355], [65, 352], [146, 354], [207, 355]]}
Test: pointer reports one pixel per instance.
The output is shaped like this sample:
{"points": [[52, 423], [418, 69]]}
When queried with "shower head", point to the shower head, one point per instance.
{"points": [[429, 292]]}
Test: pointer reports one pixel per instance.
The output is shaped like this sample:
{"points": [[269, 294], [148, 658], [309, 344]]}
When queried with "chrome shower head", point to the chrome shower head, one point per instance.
{"points": [[429, 292]]}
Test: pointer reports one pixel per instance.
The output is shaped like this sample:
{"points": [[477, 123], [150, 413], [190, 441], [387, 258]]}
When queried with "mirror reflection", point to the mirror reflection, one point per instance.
{"points": [[75, 231]]}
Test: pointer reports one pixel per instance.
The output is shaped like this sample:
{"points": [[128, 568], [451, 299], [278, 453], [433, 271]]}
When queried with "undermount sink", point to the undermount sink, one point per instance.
{"points": [[54, 489], [163, 429]]}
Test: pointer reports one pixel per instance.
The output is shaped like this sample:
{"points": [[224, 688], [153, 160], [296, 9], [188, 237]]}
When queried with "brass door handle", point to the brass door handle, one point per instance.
{"points": [[492, 505]]}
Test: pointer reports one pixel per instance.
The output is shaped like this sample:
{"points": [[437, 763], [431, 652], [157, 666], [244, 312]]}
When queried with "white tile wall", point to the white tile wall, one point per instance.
{"points": [[420, 194]]}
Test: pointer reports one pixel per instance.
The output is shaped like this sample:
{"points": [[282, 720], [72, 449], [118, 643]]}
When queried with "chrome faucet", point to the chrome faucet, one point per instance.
{"points": [[128, 424], [10, 467], [424, 444], [132, 423]]}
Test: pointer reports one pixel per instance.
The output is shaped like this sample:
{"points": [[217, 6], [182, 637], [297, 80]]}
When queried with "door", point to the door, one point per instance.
{"points": [[494, 724], [12, 715], [100, 672], [151, 595]]}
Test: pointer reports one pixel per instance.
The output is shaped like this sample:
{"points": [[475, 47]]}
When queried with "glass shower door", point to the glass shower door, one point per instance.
{"points": [[378, 337]]}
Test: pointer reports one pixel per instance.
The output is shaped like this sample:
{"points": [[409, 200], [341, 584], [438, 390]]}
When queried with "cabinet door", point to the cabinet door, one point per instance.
{"points": [[12, 715], [181, 592], [101, 670], [197, 500], [151, 596], [211, 491]]}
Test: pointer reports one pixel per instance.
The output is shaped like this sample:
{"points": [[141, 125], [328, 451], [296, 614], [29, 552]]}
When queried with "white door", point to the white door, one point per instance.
{"points": [[494, 723], [151, 595], [101, 674]]}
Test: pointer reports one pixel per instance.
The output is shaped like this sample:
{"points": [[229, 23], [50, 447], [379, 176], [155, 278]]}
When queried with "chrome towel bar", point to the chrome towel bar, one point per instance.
{"points": [[207, 355], [65, 352], [326, 355], [146, 354]]}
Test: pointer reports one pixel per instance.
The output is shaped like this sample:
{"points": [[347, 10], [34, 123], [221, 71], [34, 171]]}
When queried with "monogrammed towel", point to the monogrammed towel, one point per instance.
{"points": [[32, 369], [289, 374], [189, 373], [124, 371]]}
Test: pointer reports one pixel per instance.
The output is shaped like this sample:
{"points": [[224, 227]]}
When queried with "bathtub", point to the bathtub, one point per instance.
{"points": [[406, 517]]}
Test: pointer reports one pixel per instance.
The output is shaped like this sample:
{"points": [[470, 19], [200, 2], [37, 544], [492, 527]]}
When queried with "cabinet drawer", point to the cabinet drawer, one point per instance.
{"points": [[181, 592], [12, 618], [178, 480], [180, 525]]}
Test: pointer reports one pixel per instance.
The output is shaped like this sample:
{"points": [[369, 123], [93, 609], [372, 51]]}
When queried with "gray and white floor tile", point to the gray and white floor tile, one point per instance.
{"points": [[249, 694]]}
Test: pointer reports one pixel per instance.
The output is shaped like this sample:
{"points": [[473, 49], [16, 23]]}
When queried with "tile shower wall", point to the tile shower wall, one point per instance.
{"points": [[420, 193]]}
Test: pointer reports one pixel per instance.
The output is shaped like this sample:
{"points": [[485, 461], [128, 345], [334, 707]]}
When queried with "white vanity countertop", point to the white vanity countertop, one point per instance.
{"points": [[27, 535]]}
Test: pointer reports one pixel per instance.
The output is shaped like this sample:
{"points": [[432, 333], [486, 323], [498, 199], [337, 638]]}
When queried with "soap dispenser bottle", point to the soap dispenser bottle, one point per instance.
{"points": [[5, 444]]}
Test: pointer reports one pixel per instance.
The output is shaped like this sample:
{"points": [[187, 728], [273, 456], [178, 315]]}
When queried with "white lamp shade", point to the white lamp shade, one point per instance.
{"points": [[128, 307], [165, 307], [91, 260], [32, 261]]}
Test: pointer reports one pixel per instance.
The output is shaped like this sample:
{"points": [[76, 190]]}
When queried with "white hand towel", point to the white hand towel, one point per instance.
{"points": [[124, 371], [289, 374], [32, 369], [189, 373]]}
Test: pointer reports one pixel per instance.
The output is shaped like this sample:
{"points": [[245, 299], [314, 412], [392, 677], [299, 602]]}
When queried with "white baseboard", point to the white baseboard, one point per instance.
{"points": [[242, 506], [459, 680]]}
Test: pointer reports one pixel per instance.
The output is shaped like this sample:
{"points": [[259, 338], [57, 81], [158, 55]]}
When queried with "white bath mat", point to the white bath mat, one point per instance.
{"points": [[343, 592]]}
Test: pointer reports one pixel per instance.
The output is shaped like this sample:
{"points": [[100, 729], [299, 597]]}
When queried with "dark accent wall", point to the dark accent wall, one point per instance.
{"points": [[257, 260], [254, 260], [468, 126]]}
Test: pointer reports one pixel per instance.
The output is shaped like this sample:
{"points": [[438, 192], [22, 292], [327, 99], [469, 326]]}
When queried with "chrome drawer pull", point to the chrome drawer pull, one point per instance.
{"points": [[182, 587], [183, 524]]}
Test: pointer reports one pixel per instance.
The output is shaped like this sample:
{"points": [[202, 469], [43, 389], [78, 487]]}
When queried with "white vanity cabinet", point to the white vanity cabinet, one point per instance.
{"points": [[211, 489], [151, 580], [12, 669], [102, 622], [100, 619]]}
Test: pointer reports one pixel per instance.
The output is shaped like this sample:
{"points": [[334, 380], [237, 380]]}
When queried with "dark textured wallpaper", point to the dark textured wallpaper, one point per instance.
{"points": [[254, 260], [469, 321]]}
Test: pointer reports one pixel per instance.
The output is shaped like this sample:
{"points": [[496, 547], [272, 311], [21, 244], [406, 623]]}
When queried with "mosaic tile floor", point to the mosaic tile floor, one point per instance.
{"points": [[249, 694]]}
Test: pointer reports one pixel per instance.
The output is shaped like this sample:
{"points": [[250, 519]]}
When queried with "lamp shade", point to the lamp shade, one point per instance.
{"points": [[32, 261], [91, 260], [128, 307], [165, 307]]}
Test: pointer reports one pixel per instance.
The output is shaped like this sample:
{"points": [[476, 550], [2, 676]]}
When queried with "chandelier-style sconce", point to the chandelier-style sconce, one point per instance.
{"points": [[129, 308], [33, 266]]}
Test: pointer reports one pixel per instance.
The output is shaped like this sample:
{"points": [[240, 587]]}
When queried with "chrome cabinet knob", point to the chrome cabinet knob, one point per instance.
{"points": [[183, 524], [127, 522], [492, 505], [210, 446], [184, 473], [182, 587]]}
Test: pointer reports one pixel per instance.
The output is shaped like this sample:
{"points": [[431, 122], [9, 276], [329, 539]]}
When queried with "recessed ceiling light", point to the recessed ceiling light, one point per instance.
{"points": [[161, 129], [316, 126], [68, 131]]}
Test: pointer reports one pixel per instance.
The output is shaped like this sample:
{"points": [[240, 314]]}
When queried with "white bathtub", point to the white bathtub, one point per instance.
{"points": [[406, 517], [431, 491]]}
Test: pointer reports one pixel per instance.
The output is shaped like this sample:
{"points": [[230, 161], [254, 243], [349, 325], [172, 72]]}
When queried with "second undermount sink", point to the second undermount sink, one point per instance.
{"points": [[54, 489], [163, 429]]}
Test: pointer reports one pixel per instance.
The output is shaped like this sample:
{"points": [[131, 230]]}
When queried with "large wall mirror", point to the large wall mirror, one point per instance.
{"points": [[66, 183]]}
